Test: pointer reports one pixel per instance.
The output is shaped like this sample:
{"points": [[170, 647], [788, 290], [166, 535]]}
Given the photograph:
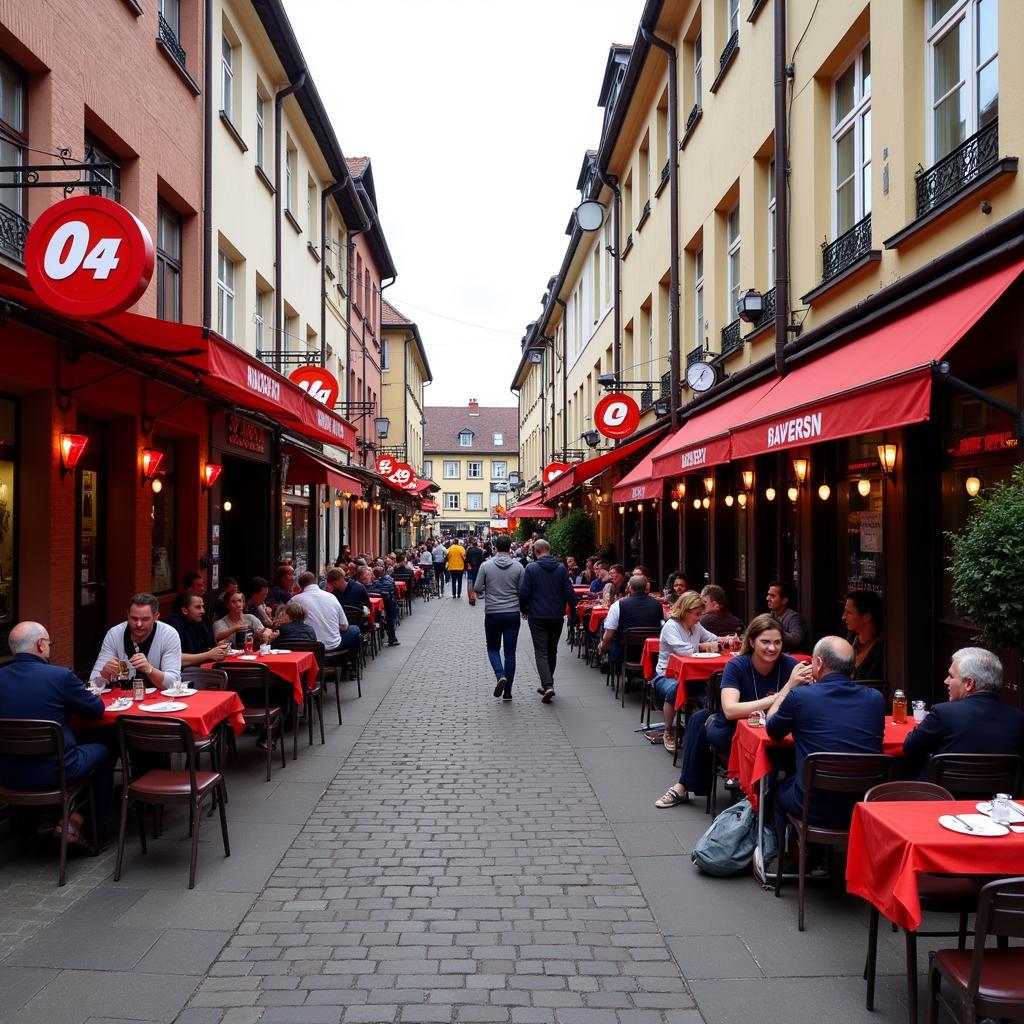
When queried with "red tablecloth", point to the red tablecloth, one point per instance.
{"points": [[891, 843], [597, 616], [750, 758], [581, 590], [402, 588], [376, 607], [417, 571], [688, 669], [649, 658], [206, 710], [295, 667]]}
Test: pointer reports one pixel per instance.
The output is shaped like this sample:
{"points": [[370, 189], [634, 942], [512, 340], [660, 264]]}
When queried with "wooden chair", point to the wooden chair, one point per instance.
{"points": [[633, 649], [253, 678], [849, 774], [984, 982], [29, 737], [160, 786], [942, 894], [312, 698], [880, 685], [972, 775]]}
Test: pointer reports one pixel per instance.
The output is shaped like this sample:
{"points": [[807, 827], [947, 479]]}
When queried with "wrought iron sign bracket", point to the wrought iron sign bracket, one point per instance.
{"points": [[942, 372], [27, 175], [65, 395]]}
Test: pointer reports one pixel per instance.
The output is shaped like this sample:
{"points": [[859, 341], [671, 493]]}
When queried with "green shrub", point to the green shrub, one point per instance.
{"points": [[571, 535], [987, 564]]}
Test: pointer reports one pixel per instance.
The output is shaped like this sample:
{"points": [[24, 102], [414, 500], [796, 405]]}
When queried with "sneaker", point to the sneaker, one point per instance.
{"points": [[393, 643], [506, 696], [548, 695], [732, 782], [499, 688], [540, 690], [669, 740]]}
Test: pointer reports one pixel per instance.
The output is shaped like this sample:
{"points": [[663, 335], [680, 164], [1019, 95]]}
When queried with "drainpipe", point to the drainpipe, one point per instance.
{"points": [[565, 376], [613, 183], [362, 393], [405, 399], [279, 97], [350, 248], [673, 202], [207, 312], [331, 190], [781, 196]]}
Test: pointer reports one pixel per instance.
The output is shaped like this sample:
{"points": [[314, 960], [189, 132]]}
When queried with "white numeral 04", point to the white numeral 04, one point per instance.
{"points": [[68, 249]]}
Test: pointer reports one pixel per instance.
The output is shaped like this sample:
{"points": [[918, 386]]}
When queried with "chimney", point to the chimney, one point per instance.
{"points": [[474, 407]]}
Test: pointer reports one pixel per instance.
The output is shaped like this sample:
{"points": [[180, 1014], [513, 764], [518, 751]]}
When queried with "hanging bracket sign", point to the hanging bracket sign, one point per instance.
{"points": [[617, 416], [318, 383]]}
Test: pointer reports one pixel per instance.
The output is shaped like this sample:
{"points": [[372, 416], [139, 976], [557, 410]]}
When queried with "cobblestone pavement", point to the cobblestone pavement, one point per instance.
{"points": [[458, 868]]}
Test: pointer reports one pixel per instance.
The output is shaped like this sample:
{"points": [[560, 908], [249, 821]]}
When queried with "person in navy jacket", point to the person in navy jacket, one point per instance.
{"points": [[835, 715], [974, 720], [32, 688], [544, 592]]}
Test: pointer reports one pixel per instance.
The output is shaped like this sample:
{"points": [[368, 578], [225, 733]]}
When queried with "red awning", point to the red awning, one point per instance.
{"points": [[639, 484], [584, 471], [429, 506], [878, 382], [529, 507], [308, 468], [421, 486], [703, 440]]}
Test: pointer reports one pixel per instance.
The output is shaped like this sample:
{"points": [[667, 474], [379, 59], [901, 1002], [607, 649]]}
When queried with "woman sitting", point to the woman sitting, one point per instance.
{"points": [[862, 614], [681, 634], [749, 683], [295, 626], [237, 623]]}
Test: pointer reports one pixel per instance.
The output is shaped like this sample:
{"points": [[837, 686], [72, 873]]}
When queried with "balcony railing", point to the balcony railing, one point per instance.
{"points": [[768, 310], [170, 39], [694, 355], [692, 119], [647, 397], [731, 339], [13, 232], [956, 170], [730, 49], [666, 384], [849, 247]]}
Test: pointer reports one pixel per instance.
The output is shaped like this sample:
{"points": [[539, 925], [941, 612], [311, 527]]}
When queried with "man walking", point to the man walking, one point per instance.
{"points": [[456, 566], [497, 583], [543, 595], [474, 559], [438, 555]]}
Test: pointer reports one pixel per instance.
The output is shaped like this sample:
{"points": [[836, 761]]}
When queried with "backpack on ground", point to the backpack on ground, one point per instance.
{"points": [[727, 847]]}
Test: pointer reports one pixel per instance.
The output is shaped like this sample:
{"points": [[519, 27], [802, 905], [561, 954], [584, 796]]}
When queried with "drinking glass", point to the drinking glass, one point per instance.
{"points": [[1001, 811]]}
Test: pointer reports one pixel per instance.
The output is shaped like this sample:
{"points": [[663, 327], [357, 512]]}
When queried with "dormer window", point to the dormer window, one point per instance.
{"points": [[499, 440], [466, 439]]}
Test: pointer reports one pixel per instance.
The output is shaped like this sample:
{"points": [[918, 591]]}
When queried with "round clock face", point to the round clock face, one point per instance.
{"points": [[700, 376]]}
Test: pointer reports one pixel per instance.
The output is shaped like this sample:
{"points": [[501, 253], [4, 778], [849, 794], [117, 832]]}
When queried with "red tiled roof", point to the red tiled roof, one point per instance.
{"points": [[356, 164], [390, 315], [444, 423]]}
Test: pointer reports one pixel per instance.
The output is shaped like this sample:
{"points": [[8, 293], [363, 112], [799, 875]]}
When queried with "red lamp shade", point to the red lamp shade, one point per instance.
{"points": [[211, 473], [72, 447], [151, 459]]}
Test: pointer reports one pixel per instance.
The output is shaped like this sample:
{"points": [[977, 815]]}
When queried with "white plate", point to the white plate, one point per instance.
{"points": [[186, 692], [247, 657], [276, 651], [99, 693], [1015, 809], [163, 705], [704, 654], [980, 825], [121, 704]]}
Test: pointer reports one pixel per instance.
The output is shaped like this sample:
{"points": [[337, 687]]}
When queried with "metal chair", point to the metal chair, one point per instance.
{"points": [[255, 678], [971, 775], [30, 737], [210, 679], [850, 774], [313, 697], [633, 648], [719, 758]]}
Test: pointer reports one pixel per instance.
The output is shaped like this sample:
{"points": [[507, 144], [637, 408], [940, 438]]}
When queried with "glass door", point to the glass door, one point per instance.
{"points": [[90, 599]]}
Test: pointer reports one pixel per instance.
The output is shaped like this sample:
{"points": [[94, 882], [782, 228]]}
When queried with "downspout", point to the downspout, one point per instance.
{"points": [[405, 398], [613, 183], [380, 330], [331, 190], [781, 195], [565, 376], [362, 393], [207, 312], [673, 203], [279, 97], [350, 247]]}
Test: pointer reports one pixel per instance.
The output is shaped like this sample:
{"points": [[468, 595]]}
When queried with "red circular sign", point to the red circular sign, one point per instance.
{"points": [[553, 470], [616, 416], [320, 385], [401, 474], [89, 257], [385, 465]]}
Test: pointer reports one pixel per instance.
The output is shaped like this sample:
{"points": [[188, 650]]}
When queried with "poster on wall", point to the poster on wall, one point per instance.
{"points": [[871, 532]]}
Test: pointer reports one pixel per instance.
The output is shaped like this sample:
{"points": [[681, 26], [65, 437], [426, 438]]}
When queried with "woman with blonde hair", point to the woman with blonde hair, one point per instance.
{"points": [[749, 683]]}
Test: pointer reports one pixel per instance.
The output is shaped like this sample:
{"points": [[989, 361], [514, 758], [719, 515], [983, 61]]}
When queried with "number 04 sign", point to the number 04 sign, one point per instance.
{"points": [[616, 416], [89, 257]]}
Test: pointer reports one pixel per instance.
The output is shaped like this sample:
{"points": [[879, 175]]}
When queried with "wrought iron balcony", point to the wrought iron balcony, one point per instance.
{"points": [[849, 247], [731, 339], [647, 397], [692, 119], [666, 384], [169, 38], [13, 232], [767, 312], [664, 173], [730, 49], [957, 169], [694, 355]]}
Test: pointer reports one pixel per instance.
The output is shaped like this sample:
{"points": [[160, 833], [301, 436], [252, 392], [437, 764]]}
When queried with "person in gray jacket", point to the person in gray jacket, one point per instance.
{"points": [[497, 582]]}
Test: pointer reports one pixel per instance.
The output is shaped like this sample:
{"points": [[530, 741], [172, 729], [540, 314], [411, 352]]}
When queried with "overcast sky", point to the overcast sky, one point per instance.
{"points": [[476, 116]]}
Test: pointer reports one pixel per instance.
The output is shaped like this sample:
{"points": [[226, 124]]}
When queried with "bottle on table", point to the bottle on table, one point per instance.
{"points": [[139, 688], [248, 641], [899, 707]]}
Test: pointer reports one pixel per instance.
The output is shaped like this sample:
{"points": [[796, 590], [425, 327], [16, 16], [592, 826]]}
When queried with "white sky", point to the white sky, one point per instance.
{"points": [[476, 115]]}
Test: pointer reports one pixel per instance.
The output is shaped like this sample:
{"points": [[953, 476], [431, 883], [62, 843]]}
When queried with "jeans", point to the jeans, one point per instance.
{"points": [[456, 576], [439, 576], [546, 634], [696, 774], [502, 629], [350, 640], [390, 618]]}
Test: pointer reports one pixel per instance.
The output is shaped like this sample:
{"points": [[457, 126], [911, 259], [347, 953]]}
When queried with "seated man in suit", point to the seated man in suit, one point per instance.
{"points": [[638, 609], [974, 720], [835, 715], [32, 688]]}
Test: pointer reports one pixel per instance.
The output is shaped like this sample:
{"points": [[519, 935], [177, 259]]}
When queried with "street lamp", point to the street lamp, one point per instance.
{"points": [[750, 306], [590, 215], [382, 425], [661, 407], [591, 438], [515, 480], [607, 380], [536, 356]]}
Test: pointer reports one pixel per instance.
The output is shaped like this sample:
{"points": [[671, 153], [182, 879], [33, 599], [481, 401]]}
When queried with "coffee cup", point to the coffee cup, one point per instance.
{"points": [[264, 648]]}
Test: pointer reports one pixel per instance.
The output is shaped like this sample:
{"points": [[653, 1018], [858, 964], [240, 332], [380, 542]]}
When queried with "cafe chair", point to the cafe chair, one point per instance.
{"points": [[974, 983], [358, 617], [313, 699], [967, 776], [940, 894], [161, 786], [633, 649], [850, 774], [253, 678], [880, 685], [210, 679], [28, 737], [719, 758]]}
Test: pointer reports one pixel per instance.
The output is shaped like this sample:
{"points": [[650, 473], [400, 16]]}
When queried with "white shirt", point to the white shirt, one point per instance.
{"points": [[164, 652], [675, 639], [325, 614], [440, 553], [612, 618]]}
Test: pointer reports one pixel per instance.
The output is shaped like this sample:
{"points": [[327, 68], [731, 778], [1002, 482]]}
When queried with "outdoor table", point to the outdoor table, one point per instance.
{"points": [[295, 667], [583, 608], [581, 590], [597, 616], [402, 589], [649, 657], [376, 607], [689, 669], [204, 711], [417, 572]]}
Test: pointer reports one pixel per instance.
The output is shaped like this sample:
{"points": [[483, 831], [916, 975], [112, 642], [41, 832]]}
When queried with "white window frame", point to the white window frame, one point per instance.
{"points": [[227, 76], [260, 319], [698, 297], [385, 354], [475, 469], [962, 10], [451, 470], [771, 223], [171, 11], [451, 501], [428, 469], [225, 296], [858, 121], [465, 438], [261, 141], [475, 501], [648, 373], [734, 245], [499, 469], [289, 176], [499, 439], [698, 69], [732, 19]]}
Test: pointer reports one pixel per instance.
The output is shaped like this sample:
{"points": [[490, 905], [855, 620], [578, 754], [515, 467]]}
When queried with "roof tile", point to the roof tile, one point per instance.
{"points": [[444, 422]]}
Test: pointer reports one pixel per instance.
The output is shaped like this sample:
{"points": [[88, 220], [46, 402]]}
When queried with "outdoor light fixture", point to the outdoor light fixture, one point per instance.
{"points": [[793, 493], [824, 491], [346, 495], [675, 505], [338, 502], [741, 499], [72, 447], [211, 474], [800, 469], [706, 502], [696, 503], [661, 407], [728, 501], [639, 506], [226, 506], [972, 485], [382, 425], [863, 486], [514, 479], [151, 459], [590, 215], [607, 380], [709, 484], [376, 506], [681, 488], [769, 493], [750, 306], [157, 486], [887, 458], [591, 437], [536, 356], [622, 510], [748, 479], [401, 520]]}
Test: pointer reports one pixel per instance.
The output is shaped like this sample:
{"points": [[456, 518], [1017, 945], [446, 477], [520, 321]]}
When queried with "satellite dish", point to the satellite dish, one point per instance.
{"points": [[590, 215]]}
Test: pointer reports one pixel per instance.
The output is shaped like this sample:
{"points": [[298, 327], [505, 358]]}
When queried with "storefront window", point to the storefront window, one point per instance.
{"points": [[163, 507], [293, 542], [861, 506], [739, 519], [7, 495]]}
